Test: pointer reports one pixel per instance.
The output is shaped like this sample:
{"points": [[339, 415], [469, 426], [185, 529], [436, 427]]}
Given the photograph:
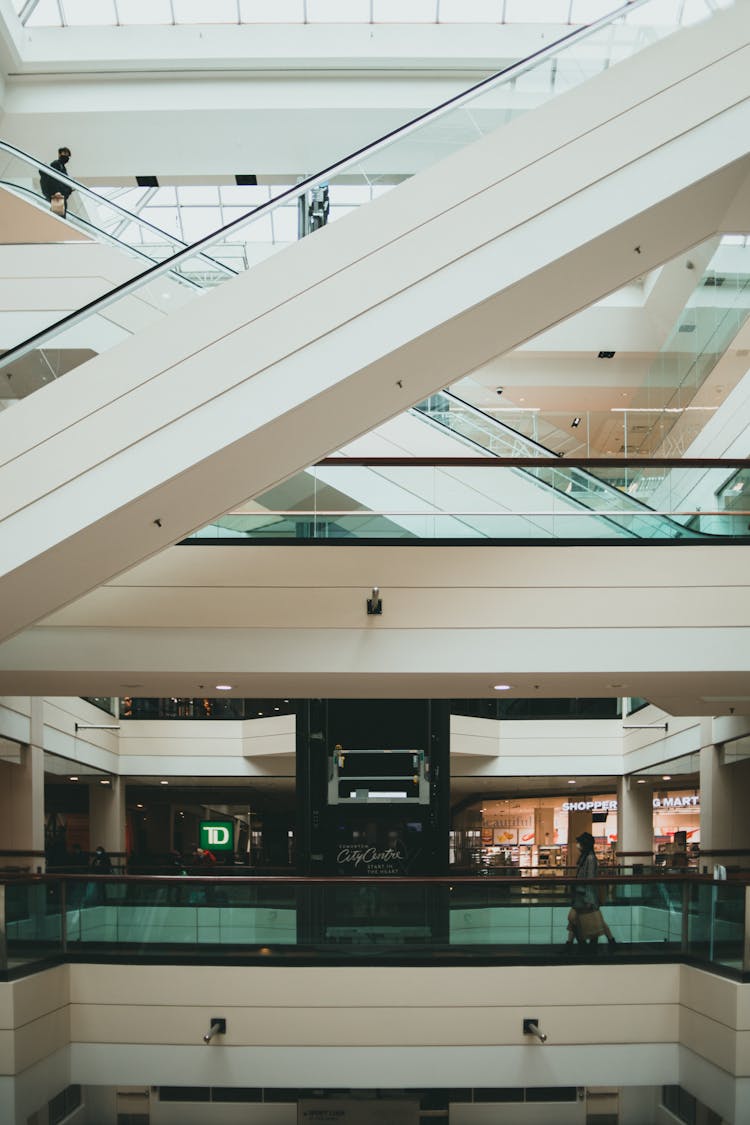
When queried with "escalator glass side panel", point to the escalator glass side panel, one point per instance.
{"points": [[485, 502], [419, 144]]}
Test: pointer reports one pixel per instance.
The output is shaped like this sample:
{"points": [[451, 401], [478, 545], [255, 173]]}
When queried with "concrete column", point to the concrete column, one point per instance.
{"points": [[107, 819], [635, 822], [725, 805], [22, 801]]}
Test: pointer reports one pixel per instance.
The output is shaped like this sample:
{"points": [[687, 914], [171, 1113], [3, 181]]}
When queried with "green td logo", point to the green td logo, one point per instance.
{"points": [[217, 835]]}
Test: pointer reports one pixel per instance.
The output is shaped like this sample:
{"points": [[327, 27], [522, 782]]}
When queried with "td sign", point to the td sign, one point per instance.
{"points": [[217, 835]]}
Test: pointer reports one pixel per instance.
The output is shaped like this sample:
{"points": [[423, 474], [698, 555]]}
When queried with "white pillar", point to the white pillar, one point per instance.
{"points": [[725, 823], [635, 822], [22, 801], [107, 819]]}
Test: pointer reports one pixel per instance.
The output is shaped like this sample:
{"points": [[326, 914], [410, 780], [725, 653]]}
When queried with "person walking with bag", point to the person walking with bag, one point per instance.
{"points": [[585, 922], [55, 191]]}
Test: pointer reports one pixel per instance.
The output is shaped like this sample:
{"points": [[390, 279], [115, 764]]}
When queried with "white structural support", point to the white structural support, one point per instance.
{"points": [[261, 377]]}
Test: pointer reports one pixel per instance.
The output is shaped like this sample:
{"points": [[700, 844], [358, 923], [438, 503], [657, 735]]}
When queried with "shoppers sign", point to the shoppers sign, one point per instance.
{"points": [[589, 806], [217, 835], [679, 801]]}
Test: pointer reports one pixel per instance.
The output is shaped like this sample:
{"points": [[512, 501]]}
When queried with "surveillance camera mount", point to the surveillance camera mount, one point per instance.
{"points": [[375, 603]]}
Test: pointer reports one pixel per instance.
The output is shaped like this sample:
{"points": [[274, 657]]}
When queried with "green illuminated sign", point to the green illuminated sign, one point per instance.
{"points": [[217, 835]]}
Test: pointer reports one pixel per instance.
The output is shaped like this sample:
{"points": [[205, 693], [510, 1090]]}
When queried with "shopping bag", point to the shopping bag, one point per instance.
{"points": [[590, 924], [57, 204]]}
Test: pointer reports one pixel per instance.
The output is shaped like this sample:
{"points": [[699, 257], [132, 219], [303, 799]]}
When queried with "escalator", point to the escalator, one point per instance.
{"points": [[144, 241], [98, 217], [103, 220], [563, 66], [268, 372], [578, 485], [18, 176]]}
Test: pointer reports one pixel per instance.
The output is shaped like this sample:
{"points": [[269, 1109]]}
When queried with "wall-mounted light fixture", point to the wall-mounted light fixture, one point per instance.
{"points": [[375, 603]]}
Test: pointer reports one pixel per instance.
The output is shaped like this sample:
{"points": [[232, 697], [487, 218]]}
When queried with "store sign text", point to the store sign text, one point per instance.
{"points": [[686, 802]]}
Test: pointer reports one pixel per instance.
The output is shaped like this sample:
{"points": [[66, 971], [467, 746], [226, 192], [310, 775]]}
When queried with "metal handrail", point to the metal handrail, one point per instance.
{"points": [[694, 876], [313, 181], [81, 221], [101, 200]]}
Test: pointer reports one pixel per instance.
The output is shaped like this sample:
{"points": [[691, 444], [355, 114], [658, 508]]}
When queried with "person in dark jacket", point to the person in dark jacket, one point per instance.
{"points": [[50, 186], [585, 896], [101, 864]]}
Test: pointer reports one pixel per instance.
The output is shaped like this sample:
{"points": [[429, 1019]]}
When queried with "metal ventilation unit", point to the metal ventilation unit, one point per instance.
{"points": [[393, 777]]}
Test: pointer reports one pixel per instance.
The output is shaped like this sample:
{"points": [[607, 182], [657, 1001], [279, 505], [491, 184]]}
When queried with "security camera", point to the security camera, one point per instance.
{"points": [[499, 391]]}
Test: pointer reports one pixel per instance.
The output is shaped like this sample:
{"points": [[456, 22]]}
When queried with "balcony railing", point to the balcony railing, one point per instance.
{"points": [[350, 920]]}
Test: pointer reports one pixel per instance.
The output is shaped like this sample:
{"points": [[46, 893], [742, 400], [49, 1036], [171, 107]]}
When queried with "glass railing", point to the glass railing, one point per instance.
{"points": [[204, 708], [662, 417], [555, 69], [103, 702], [131, 707], [477, 499], [668, 413], [481, 429], [512, 710], [733, 492], [451, 412], [521, 919], [104, 219]]}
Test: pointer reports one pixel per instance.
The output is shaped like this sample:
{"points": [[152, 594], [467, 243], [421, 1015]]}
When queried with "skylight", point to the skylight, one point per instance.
{"points": [[118, 13]]}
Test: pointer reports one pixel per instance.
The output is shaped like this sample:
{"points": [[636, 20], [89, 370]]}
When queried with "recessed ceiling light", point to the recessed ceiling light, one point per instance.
{"points": [[223, 687], [572, 781], [666, 777], [164, 783], [72, 779], [139, 806], [641, 781], [103, 781], [501, 687]]}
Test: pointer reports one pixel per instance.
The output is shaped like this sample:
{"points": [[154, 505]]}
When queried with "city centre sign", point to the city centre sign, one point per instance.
{"points": [[217, 835]]}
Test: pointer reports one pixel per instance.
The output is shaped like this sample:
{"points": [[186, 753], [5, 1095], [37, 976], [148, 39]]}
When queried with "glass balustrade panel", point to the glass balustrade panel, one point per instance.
{"points": [[413, 148]]}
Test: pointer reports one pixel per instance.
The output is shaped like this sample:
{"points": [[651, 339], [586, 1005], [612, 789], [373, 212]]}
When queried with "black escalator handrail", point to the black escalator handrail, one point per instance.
{"points": [[583, 463], [310, 182], [732, 477], [544, 451], [100, 200], [547, 462], [540, 462], [602, 485], [101, 235]]}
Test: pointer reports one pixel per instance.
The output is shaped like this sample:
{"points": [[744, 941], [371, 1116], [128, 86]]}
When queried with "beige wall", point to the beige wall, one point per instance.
{"points": [[120, 1025], [375, 1007]]}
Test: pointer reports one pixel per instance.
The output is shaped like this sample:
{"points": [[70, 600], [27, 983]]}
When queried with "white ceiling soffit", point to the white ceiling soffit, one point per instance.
{"points": [[280, 622]]}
